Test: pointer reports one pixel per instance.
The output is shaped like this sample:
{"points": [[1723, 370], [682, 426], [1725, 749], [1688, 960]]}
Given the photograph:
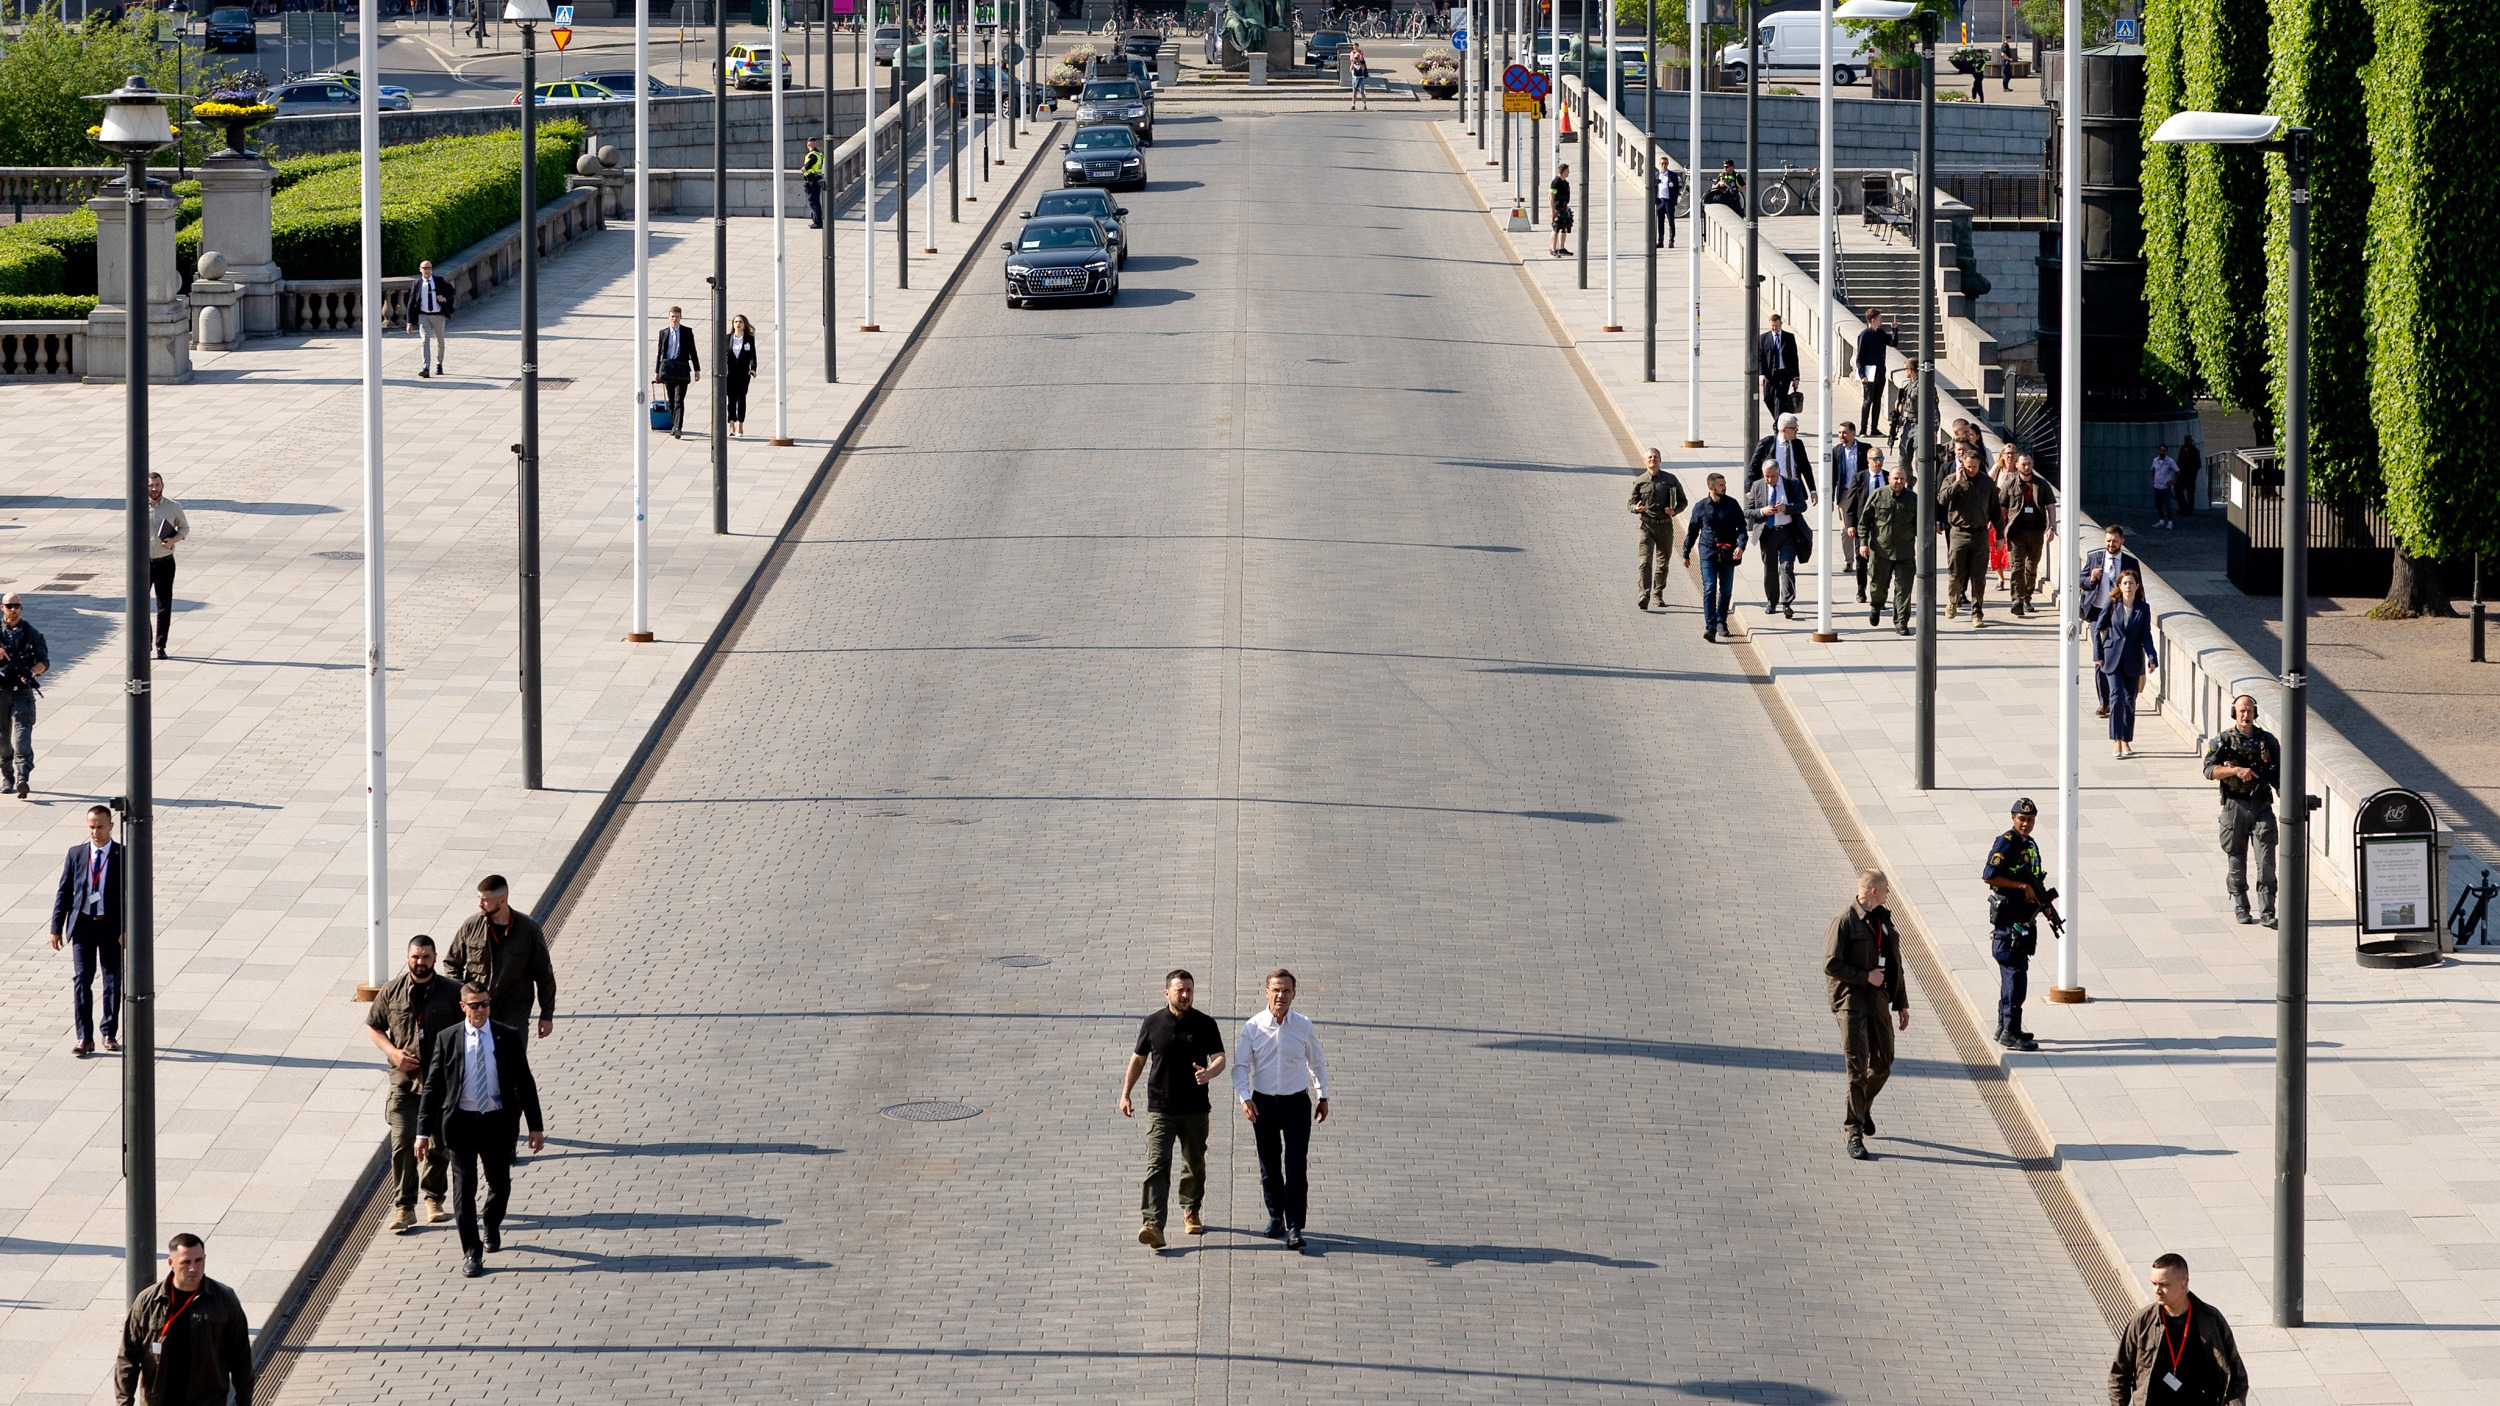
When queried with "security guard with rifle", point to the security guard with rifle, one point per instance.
{"points": [[2019, 896], [2247, 763]]}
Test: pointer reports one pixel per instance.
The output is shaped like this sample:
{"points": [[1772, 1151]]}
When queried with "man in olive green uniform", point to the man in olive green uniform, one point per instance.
{"points": [[1888, 539], [1657, 497], [1967, 507], [185, 1341], [405, 1017], [1862, 972], [2017, 887], [2247, 763], [505, 951]]}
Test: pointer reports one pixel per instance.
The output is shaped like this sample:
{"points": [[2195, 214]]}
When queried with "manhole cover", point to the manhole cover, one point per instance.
{"points": [[340, 556], [1022, 959], [929, 1110]]}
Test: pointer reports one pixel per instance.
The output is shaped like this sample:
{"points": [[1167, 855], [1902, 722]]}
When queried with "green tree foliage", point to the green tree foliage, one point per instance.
{"points": [[48, 67], [1897, 40], [2321, 49], [2434, 274], [2223, 48], [2047, 18], [2169, 351]]}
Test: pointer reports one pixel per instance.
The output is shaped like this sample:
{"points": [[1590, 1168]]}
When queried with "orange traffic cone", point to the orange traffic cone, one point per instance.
{"points": [[1567, 134]]}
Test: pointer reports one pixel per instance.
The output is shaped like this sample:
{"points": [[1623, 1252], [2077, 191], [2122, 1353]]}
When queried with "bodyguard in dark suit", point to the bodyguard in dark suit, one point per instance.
{"points": [[1870, 370], [477, 1089], [1775, 365], [678, 364], [87, 913]]}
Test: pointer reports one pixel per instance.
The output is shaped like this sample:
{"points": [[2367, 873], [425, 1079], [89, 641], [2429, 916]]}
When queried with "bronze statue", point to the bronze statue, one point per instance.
{"points": [[1246, 23]]}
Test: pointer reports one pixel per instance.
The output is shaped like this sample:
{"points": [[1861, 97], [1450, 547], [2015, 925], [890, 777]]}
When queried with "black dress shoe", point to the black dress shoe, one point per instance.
{"points": [[472, 1265], [1709, 637], [421, 373], [1294, 1240], [494, 1240], [1789, 610], [1875, 616], [1275, 1227]]}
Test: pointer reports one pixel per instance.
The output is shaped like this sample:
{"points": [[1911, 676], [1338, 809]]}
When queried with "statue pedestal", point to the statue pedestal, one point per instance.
{"points": [[1280, 51], [165, 321], [1258, 70], [234, 221]]}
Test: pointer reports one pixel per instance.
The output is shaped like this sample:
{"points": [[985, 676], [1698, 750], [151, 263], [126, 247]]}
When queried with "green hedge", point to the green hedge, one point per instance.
{"points": [[2223, 48], [17, 305], [2321, 49], [438, 198], [55, 254], [2434, 273], [2169, 350]]}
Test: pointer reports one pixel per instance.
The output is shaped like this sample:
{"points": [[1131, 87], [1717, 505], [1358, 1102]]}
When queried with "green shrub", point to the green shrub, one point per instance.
{"points": [[2223, 46], [29, 269], [2321, 49], [438, 198], [2169, 350], [70, 242], [28, 305]]}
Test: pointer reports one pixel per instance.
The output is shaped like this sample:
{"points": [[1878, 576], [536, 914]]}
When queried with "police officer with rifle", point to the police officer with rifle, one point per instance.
{"points": [[2019, 897]]}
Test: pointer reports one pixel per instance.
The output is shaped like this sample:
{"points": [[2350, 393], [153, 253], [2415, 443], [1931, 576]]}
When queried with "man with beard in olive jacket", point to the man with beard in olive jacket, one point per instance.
{"points": [[1888, 539], [186, 1342]]}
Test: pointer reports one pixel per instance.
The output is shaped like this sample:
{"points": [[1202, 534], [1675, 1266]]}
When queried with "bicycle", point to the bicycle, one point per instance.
{"points": [[1793, 187]]}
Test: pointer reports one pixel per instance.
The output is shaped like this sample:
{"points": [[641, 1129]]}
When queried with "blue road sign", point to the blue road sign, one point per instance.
{"points": [[1458, 40], [2129, 32], [1515, 78]]}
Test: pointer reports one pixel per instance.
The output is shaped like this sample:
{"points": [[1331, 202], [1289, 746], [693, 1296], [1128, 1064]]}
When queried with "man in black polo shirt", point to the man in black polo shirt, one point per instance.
{"points": [[1188, 1050]]}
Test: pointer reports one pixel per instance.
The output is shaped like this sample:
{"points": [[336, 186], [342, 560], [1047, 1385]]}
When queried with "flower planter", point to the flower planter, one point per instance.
{"points": [[1442, 87], [1894, 82]]}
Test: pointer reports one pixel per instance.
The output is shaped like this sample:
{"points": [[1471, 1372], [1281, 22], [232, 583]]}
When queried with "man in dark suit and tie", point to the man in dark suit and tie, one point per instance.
{"points": [[1870, 370], [477, 1087], [1853, 480], [1775, 366], [679, 363], [87, 913], [2102, 566], [1775, 504]]}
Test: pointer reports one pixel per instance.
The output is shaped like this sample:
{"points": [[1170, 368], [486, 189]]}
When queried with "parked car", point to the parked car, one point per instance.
{"points": [[1792, 43], [886, 42], [1061, 256], [750, 66], [567, 92], [1142, 44], [1119, 101], [620, 81], [1087, 200], [232, 32], [986, 84], [1320, 50], [1103, 156], [314, 96]]}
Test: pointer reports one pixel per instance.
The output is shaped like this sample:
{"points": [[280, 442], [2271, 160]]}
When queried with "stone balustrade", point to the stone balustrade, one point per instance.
{"points": [[336, 305], [52, 189], [43, 348]]}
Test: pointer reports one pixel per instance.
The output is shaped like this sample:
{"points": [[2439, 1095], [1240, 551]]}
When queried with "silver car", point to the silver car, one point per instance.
{"points": [[316, 96], [1119, 100], [1086, 200], [886, 42]]}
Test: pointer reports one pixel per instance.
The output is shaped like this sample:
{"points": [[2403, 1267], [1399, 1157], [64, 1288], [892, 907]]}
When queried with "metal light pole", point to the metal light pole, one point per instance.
{"points": [[1692, 256], [1614, 178], [867, 184], [1655, 229], [1588, 162], [928, 141], [720, 261], [1753, 224], [1923, 755], [377, 722], [781, 248], [824, 144], [955, 115], [2291, 806], [529, 14], [1826, 269], [640, 630], [902, 155], [137, 124], [2068, 987]]}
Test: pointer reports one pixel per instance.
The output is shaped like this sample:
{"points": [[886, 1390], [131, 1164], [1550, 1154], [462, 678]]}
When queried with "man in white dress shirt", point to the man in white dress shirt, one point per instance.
{"points": [[429, 307], [1277, 1070]]}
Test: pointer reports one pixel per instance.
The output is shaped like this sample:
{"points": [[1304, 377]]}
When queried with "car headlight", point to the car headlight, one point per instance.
{"points": [[1132, 162], [1018, 270], [1098, 265], [1075, 165]]}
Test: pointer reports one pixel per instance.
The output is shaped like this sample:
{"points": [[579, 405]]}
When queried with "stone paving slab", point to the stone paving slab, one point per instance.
{"points": [[269, 1091], [2158, 1093]]}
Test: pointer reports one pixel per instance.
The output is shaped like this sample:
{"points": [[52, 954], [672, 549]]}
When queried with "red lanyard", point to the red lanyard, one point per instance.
{"points": [[2181, 1350], [170, 1291]]}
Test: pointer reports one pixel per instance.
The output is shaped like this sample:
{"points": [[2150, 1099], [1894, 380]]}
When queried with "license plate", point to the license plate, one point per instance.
{"points": [[1102, 170], [1059, 280]]}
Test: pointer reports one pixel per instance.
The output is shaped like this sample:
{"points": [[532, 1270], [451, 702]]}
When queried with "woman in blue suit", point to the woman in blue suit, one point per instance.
{"points": [[2123, 650]]}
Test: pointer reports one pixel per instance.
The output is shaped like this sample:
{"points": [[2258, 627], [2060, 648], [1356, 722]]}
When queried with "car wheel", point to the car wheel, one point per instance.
{"points": [[1843, 75]]}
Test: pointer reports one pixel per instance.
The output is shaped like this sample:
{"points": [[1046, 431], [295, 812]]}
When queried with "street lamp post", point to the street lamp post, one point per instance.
{"points": [[824, 145], [1923, 755], [1614, 178], [137, 124], [781, 239], [1655, 227], [1826, 269], [1753, 224], [529, 14], [2291, 807], [639, 631], [1692, 256], [720, 258]]}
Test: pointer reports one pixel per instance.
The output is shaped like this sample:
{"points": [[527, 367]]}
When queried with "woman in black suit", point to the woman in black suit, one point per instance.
{"points": [[740, 371], [2123, 650]]}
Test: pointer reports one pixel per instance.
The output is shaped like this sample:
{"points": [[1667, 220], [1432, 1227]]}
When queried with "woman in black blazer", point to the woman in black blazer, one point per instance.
{"points": [[2123, 650], [740, 371]]}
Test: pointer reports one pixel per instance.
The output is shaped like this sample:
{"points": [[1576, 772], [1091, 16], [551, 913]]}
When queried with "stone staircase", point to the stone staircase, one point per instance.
{"points": [[1878, 278]]}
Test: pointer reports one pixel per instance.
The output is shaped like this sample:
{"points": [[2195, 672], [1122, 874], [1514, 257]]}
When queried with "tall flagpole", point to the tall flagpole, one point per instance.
{"points": [[377, 722], [1826, 268], [1614, 178], [868, 180], [640, 631], [781, 241], [928, 147], [2068, 988], [1700, 226]]}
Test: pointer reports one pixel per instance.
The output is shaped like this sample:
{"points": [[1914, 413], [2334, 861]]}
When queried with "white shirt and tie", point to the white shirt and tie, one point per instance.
{"points": [[477, 1089], [1279, 1059], [429, 301], [97, 855]]}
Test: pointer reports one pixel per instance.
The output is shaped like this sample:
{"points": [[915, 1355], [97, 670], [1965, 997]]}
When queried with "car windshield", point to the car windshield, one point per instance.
{"points": [[1110, 92], [1058, 237], [1328, 36], [1073, 202], [229, 17], [1104, 139], [889, 32]]}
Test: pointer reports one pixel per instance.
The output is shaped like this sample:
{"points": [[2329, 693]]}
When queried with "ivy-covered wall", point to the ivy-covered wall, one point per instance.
{"points": [[2169, 350], [2222, 53], [2321, 49]]}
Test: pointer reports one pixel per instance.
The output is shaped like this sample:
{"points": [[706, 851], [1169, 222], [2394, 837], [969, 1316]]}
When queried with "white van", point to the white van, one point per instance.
{"points": [[1792, 43]]}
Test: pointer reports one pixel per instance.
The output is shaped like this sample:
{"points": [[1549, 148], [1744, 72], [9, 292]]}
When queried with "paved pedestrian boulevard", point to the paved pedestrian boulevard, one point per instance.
{"points": [[1280, 615]]}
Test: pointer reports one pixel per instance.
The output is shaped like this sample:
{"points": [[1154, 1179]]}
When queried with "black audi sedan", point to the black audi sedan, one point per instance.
{"points": [[1061, 256], [1104, 156]]}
